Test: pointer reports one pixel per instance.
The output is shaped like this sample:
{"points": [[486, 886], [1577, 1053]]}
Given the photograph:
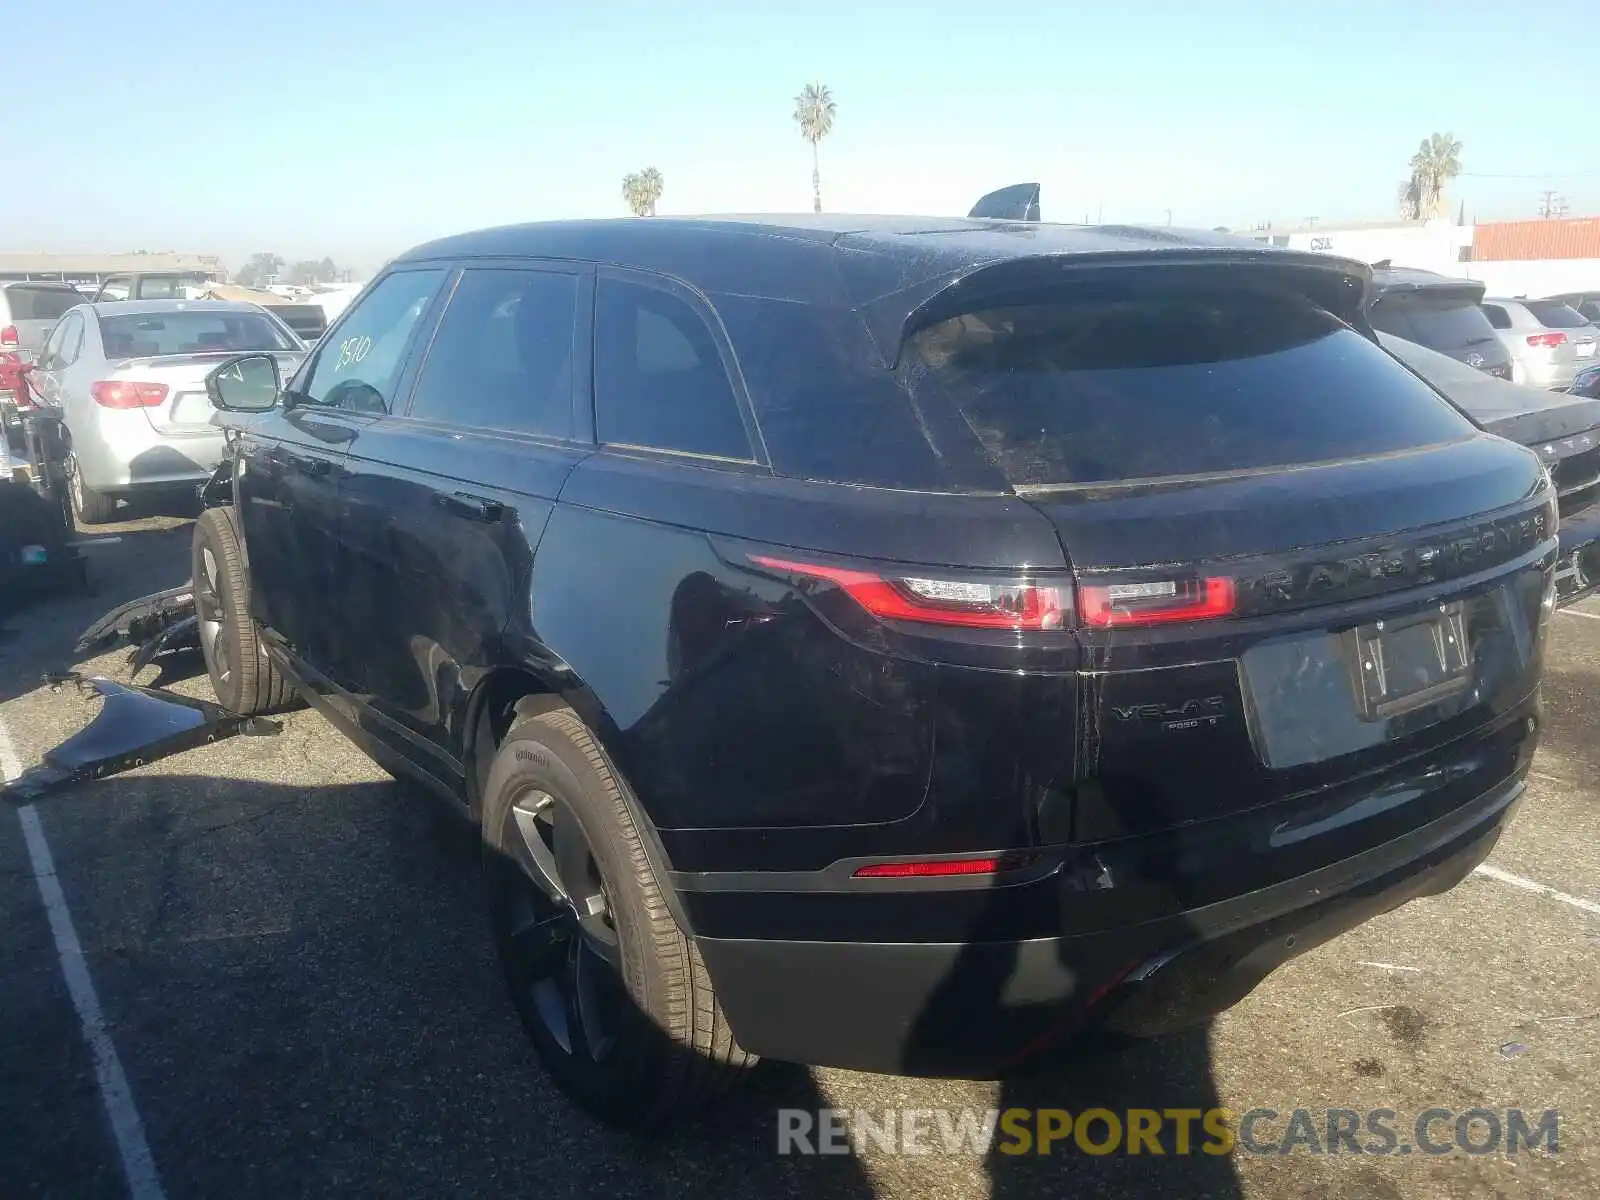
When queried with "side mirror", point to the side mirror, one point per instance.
{"points": [[247, 384]]}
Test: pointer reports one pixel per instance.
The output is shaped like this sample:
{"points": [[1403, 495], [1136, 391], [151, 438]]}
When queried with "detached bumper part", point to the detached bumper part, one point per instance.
{"points": [[135, 726]]}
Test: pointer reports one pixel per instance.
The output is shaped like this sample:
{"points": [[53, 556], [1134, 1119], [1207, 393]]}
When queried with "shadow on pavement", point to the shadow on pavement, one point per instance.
{"points": [[302, 988]]}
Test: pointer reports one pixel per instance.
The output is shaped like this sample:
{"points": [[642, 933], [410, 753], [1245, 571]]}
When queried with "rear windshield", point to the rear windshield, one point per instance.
{"points": [[147, 335], [1110, 388], [1448, 323], [1552, 314], [1097, 388], [40, 303]]}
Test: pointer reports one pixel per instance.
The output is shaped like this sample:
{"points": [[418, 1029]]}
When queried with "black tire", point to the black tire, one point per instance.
{"points": [[88, 506], [244, 678], [658, 1046]]}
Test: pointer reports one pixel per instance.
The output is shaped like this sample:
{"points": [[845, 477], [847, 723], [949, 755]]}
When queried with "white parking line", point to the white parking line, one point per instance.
{"points": [[138, 1167], [1529, 885], [1573, 612]]}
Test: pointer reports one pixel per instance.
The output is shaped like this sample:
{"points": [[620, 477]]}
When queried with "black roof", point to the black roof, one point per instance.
{"points": [[882, 266]]}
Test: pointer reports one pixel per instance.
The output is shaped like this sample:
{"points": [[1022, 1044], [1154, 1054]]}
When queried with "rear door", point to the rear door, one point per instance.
{"points": [[291, 461], [1295, 561], [445, 500]]}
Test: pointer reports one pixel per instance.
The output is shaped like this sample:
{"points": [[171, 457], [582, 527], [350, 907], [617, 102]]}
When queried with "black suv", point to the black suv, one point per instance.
{"points": [[1440, 312], [894, 644]]}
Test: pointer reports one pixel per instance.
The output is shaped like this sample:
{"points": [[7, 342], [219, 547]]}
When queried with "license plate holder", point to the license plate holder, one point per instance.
{"points": [[1586, 349], [192, 408], [1402, 664]]}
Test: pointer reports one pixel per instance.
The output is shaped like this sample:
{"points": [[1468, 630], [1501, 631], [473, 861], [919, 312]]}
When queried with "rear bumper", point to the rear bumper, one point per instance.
{"points": [[121, 452], [974, 1008]]}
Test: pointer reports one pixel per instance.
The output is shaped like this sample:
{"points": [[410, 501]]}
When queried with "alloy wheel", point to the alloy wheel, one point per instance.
{"points": [[559, 936], [213, 621]]}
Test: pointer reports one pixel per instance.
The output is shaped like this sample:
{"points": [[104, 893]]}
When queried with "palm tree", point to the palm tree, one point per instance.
{"points": [[1436, 162], [813, 110], [641, 189]]}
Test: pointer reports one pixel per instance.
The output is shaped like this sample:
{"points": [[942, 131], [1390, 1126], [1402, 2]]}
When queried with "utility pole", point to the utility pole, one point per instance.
{"points": [[1169, 218], [1311, 222], [1552, 204]]}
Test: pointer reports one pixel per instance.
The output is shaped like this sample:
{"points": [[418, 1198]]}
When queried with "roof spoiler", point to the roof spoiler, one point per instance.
{"points": [[1019, 202]]}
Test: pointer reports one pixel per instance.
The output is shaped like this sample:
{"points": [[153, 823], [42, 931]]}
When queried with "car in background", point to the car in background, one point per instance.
{"points": [[888, 643], [129, 379], [27, 311], [1562, 429], [1437, 311], [1549, 342], [307, 320], [1586, 383], [1587, 303]]}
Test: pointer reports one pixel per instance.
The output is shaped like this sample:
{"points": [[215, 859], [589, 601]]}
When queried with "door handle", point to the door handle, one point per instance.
{"points": [[475, 508]]}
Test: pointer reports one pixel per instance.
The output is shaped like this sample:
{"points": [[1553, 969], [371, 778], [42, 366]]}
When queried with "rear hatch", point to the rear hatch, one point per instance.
{"points": [[1296, 564], [171, 351], [1441, 314], [1567, 336], [29, 312]]}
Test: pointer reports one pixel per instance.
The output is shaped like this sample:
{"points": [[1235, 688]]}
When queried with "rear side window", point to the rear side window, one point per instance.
{"points": [[40, 303], [659, 381], [502, 358], [1498, 317], [1117, 387], [1445, 322], [1552, 314]]}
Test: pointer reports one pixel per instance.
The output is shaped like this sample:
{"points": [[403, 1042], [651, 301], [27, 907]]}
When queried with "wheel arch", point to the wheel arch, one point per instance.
{"points": [[510, 693]]}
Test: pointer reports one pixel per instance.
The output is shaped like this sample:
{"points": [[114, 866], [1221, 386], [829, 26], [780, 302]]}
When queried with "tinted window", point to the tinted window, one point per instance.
{"points": [[1134, 386], [502, 358], [1448, 323], [161, 287], [658, 379], [147, 335], [115, 289], [359, 364], [40, 303], [1498, 317], [1554, 315]]}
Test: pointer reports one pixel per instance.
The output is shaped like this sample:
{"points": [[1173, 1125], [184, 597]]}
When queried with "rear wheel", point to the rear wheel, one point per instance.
{"points": [[244, 678], [88, 506], [615, 998]]}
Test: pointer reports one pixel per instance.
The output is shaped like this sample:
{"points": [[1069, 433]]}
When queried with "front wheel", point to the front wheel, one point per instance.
{"points": [[245, 680], [615, 998]]}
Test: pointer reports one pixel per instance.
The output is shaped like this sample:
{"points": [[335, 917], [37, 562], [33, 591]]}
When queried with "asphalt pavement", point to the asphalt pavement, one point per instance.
{"points": [[262, 969]]}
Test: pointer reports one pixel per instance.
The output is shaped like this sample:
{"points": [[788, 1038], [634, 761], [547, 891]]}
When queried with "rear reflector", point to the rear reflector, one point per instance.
{"points": [[1119, 605], [1548, 340], [929, 869], [1019, 605], [127, 393]]}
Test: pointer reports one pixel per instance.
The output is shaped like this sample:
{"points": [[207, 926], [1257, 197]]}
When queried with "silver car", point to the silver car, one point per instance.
{"points": [[1549, 342], [27, 311], [129, 377]]}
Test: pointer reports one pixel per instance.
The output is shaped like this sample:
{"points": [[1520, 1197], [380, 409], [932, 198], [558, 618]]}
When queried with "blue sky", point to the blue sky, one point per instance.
{"points": [[356, 128]]}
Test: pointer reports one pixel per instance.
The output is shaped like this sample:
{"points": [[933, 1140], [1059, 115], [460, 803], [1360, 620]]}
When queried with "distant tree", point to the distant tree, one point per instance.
{"points": [[641, 189], [1436, 162], [305, 272], [326, 271], [258, 270], [813, 112]]}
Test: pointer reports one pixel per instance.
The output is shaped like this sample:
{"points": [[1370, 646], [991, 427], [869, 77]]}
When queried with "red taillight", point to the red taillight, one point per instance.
{"points": [[1119, 605], [929, 869], [1018, 605], [8, 336], [1548, 340], [127, 393]]}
